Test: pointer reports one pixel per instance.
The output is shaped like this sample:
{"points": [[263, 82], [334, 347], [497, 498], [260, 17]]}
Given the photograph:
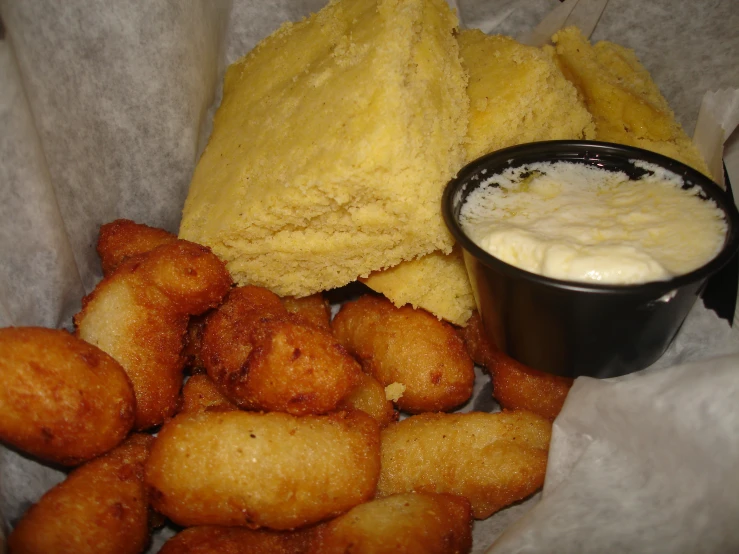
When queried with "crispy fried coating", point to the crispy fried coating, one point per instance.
{"points": [[100, 508], [123, 238], [492, 459], [192, 350], [369, 396], [200, 394], [515, 385], [270, 470], [139, 315], [212, 539], [264, 358], [410, 523], [314, 309], [61, 399], [412, 347]]}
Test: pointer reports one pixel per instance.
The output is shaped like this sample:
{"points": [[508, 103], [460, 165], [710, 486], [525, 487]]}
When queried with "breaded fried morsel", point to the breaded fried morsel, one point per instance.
{"points": [[626, 103], [515, 385], [100, 508], [313, 309], [139, 315], [369, 396], [200, 394], [410, 523], [263, 469], [265, 358], [61, 399], [213, 539], [492, 459], [412, 347], [123, 238]]}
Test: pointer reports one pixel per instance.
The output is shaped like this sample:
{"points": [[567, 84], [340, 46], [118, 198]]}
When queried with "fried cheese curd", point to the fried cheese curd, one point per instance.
{"points": [[410, 523], [515, 385], [369, 396], [61, 399], [408, 346], [314, 309], [256, 470], [492, 459], [265, 358], [200, 394], [214, 539], [123, 238], [100, 508], [139, 315]]}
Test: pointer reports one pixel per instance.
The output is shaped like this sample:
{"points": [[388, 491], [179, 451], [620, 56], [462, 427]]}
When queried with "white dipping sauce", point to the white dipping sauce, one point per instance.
{"points": [[577, 222]]}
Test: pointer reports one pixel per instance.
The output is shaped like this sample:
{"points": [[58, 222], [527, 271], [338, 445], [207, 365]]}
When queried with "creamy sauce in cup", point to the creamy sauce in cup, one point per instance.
{"points": [[578, 222]]}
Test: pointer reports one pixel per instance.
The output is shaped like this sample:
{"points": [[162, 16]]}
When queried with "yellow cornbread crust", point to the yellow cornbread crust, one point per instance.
{"points": [[517, 94], [626, 104], [331, 147]]}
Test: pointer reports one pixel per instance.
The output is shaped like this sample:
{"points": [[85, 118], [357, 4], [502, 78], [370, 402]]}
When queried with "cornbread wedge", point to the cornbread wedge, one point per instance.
{"points": [[517, 94], [626, 104], [332, 145]]}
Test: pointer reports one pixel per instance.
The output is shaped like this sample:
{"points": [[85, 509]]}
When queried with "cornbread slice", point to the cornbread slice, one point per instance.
{"points": [[436, 282], [626, 104], [517, 94], [332, 145]]}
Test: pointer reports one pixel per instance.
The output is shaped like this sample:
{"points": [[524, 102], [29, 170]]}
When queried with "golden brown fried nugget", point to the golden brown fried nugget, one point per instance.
{"points": [[264, 358], [314, 309], [61, 399], [263, 469], [123, 238], [412, 347], [200, 394], [492, 460], [211, 539], [100, 508], [369, 396], [515, 385], [139, 315], [400, 524]]}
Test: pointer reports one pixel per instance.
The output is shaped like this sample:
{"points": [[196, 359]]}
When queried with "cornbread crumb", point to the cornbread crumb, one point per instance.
{"points": [[331, 147], [626, 104], [394, 391]]}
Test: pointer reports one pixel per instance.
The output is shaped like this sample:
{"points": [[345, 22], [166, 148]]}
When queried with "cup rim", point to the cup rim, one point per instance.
{"points": [[590, 150]]}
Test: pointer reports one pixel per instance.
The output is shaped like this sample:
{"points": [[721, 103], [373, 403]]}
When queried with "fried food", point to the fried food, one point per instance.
{"points": [[100, 508], [492, 459], [626, 103], [332, 146], [123, 238], [193, 347], [211, 539], [515, 385], [369, 396], [314, 309], [412, 347], [263, 469], [407, 523], [200, 394], [139, 315], [265, 358], [61, 399]]}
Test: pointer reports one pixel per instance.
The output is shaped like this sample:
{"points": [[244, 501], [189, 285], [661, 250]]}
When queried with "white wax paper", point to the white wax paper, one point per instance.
{"points": [[104, 108]]}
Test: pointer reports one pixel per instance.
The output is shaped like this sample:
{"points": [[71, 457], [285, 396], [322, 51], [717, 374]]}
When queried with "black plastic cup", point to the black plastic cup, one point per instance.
{"points": [[571, 328]]}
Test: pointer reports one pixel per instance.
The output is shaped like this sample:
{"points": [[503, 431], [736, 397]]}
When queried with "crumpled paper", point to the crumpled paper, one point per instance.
{"points": [[104, 109]]}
